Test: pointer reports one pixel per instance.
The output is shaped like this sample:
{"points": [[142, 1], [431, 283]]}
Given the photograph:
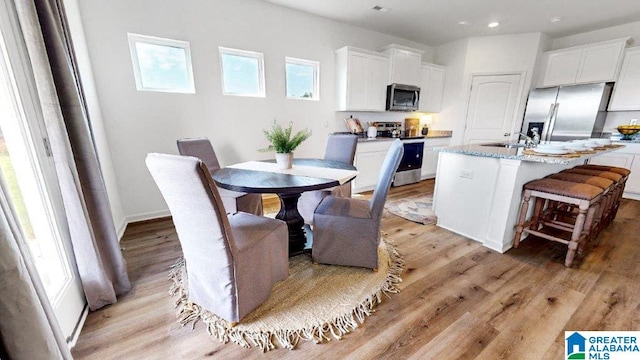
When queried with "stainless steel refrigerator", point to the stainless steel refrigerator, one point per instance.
{"points": [[567, 112]]}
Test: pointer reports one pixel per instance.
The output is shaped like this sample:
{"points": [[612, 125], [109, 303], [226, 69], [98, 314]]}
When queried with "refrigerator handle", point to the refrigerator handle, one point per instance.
{"points": [[547, 123], [552, 122]]}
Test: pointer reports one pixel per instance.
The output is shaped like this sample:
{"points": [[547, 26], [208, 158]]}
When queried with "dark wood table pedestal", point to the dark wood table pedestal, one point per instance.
{"points": [[295, 223]]}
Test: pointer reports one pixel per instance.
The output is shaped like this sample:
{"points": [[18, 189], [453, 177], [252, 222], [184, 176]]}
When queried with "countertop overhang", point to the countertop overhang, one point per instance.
{"points": [[517, 153]]}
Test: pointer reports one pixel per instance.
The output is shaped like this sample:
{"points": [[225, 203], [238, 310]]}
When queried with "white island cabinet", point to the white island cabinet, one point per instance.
{"points": [[628, 158], [478, 189]]}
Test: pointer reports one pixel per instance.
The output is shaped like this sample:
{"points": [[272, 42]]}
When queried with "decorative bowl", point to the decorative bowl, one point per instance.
{"points": [[628, 130]]}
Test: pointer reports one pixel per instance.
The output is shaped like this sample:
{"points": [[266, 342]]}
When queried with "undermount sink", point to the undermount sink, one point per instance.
{"points": [[504, 145]]}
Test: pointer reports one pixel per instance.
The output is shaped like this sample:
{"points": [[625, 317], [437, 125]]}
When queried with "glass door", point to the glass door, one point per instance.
{"points": [[28, 171]]}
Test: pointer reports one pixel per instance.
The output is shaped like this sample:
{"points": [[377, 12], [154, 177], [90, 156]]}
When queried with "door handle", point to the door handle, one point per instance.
{"points": [[507, 134]]}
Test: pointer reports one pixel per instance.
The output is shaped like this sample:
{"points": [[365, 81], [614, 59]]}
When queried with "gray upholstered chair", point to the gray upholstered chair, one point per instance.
{"points": [[232, 261], [340, 147], [233, 201], [347, 231]]}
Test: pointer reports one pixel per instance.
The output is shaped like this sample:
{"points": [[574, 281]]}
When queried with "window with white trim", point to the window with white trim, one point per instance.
{"points": [[302, 79], [161, 64], [242, 72]]}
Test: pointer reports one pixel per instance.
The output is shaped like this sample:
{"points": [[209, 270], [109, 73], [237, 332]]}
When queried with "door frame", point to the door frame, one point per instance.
{"points": [[519, 113]]}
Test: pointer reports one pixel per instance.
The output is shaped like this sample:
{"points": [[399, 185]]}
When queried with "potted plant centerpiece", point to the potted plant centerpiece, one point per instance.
{"points": [[283, 143]]}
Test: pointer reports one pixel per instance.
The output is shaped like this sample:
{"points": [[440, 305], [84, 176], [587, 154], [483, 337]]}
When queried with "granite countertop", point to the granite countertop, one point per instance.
{"points": [[433, 134], [517, 154]]}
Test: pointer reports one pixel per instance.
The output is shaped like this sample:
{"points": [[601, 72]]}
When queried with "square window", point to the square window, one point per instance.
{"points": [[161, 64], [242, 72], [302, 79]]}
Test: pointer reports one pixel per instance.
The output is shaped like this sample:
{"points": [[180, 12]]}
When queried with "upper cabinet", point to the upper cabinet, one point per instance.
{"points": [[597, 62], [404, 65], [362, 77], [431, 87], [626, 92]]}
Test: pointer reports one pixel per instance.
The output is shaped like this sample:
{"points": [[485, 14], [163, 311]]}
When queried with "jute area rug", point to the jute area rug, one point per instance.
{"points": [[417, 208], [316, 303]]}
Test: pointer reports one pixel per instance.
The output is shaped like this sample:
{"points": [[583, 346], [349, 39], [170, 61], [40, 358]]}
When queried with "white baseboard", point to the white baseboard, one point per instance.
{"points": [[632, 196], [148, 216]]}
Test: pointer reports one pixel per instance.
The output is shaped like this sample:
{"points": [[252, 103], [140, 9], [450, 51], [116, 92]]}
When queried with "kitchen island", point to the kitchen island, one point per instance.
{"points": [[478, 188]]}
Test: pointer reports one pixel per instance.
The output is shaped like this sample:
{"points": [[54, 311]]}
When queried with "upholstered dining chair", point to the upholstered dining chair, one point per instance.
{"points": [[233, 201], [347, 231], [340, 147], [232, 260]]}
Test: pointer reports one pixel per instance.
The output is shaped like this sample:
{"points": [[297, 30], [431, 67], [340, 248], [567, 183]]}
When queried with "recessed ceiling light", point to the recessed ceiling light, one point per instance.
{"points": [[493, 24], [555, 19], [463, 23], [380, 8]]}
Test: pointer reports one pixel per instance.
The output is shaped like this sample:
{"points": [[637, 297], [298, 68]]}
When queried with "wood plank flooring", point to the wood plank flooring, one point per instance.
{"points": [[458, 300]]}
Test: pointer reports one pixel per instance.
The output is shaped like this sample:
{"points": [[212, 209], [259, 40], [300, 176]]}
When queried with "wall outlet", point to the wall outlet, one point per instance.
{"points": [[467, 174]]}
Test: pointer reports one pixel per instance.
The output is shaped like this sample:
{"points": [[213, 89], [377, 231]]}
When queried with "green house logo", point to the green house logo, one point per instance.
{"points": [[576, 346]]}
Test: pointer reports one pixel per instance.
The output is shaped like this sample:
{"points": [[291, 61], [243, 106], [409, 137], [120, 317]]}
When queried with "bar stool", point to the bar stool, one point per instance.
{"points": [[586, 197], [615, 169], [608, 187], [617, 195]]}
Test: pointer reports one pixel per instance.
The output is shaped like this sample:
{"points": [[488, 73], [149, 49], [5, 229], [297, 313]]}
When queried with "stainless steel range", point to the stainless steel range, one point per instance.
{"points": [[410, 167]]}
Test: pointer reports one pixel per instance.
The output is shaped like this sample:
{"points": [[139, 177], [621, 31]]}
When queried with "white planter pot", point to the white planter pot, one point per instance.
{"points": [[284, 160]]}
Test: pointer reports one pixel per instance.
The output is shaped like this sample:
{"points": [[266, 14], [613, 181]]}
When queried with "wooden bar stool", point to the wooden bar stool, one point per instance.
{"points": [[617, 195], [606, 185], [615, 169], [586, 197]]}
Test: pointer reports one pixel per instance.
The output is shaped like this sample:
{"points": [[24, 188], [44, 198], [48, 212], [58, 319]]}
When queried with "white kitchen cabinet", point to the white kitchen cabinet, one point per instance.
{"points": [[368, 161], [431, 87], [430, 158], [404, 64], [628, 158], [597, 62], [626, 92], [361, 79]]}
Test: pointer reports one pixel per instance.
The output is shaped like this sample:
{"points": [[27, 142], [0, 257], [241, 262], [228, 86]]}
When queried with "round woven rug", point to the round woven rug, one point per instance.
{"points": [[316, 302]]}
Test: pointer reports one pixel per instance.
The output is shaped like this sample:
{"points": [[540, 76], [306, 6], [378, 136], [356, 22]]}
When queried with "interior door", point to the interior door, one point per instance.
{"points": [[492, 108], [28, 170]]}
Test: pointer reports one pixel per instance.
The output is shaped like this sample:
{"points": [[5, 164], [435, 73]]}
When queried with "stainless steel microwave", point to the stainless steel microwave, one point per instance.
{"points": [[402, 97]]}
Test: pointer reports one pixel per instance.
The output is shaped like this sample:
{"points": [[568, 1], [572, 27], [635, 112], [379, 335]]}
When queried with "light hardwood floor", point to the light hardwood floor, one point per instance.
{"points": [[458, 300]]}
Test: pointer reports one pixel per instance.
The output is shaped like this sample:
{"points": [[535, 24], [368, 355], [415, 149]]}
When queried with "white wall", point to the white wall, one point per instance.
{"points": [[95, 114], [137, 123], [483, 55], [451, 117]]}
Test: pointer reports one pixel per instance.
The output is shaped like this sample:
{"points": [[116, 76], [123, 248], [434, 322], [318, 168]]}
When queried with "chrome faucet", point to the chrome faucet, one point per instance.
{"points": [[528, 141]]}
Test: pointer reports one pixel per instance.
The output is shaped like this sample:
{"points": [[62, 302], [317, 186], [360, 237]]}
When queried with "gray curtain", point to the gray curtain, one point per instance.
{"points": [[95, 244], [28, 327]]}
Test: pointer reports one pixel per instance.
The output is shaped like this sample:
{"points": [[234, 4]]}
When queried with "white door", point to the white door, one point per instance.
{"points": [[29, 175], [492, 108]]}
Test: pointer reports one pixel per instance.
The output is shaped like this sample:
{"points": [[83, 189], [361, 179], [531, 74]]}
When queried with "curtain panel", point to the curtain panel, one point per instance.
{"points": [[100, 262]]}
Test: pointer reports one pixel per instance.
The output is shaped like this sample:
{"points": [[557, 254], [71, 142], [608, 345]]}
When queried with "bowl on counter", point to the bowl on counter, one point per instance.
{"points": [[577, 146], [551, 146], [628, 130]]}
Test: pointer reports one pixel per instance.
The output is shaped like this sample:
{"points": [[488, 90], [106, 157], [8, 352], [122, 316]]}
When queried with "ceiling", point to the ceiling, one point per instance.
{"points": [[435, 22]]}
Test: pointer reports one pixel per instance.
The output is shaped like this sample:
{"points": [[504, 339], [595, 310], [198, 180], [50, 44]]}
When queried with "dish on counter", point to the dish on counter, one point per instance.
{"points": [[550, 151], [557, 146], [577, 147]]}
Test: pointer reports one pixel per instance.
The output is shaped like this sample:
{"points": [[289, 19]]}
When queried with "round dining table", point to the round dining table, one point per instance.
{"points": [[288, 187]]}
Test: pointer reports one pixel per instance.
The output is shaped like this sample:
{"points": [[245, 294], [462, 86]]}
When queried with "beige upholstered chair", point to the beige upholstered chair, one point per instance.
{"points": [[339, 148], [347, 231], [233, 201], [232, 261]]}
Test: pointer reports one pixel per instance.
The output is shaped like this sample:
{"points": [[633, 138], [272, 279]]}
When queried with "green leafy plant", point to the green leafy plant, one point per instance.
{"points": [[281, 140]]}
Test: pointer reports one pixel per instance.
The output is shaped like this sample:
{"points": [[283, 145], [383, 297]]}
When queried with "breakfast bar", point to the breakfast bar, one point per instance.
{"points": [[478, 187]]}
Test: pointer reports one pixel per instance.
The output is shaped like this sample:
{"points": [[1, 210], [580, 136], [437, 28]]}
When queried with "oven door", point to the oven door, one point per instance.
{"points": [[412, 158], [402, 97]]}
